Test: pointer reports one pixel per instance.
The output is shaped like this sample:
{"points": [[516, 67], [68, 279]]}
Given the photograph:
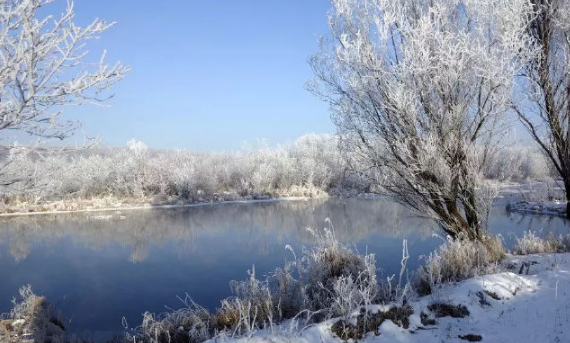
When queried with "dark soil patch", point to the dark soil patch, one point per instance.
{"points": [[483, 299], [493, 295], [426, 320], [371, 322], [447, 310], [471, 337], [527, 266]]}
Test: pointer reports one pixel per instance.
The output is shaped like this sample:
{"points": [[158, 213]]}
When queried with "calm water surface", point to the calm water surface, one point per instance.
{"points": [[100, 267]]}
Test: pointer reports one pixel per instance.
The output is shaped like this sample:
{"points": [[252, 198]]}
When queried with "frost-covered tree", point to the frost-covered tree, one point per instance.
{"points": [[43, 68], [545, 108], [418, 90]]}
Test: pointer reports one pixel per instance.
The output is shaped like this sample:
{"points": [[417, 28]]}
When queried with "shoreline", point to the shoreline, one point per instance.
{"points": [[491, 307], [133, 206], [154, 207], [142, 205]]}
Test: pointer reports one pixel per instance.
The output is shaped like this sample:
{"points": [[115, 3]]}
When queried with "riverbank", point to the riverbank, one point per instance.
{"points": [[508, 193], [526, 300], [331, 293], [104, 204], [556, 208]]}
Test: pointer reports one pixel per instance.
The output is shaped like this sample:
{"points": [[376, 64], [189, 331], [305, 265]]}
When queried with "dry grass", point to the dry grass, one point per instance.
{"points": [[189, 324], [328, 268], [32, 319], [329, 280], [65, 205], [305, 190], [250, 308], [287, 292], [458, 260], [530, 243]]}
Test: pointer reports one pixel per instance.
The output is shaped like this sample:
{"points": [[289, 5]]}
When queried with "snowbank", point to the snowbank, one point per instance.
{"points": [[533, 306]]}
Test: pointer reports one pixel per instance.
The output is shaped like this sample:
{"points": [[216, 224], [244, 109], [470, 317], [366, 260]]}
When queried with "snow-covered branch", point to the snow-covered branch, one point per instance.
{"points": [[43, 68]]}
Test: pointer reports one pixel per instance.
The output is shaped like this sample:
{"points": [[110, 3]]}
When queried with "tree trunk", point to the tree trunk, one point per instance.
{"points": [[461, 227], [471, 215], [567, 190]]}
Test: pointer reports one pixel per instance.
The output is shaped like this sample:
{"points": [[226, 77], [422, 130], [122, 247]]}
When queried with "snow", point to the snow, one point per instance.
{"points": [[533, 307], [538, 207]]}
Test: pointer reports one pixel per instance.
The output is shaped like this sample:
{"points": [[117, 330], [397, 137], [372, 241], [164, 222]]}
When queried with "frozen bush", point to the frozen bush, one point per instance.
{"points": [[287, 291], [310, 167], [541, 192], [325, 264], [518, 164], [329, 280], [530, 243], [458, 260], [189, 324], [351, 293], [31, 319], [251, 308]]}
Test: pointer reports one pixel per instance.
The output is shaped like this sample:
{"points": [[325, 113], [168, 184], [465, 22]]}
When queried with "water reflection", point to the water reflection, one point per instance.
{"points": [[262, 223], [113, 264]]}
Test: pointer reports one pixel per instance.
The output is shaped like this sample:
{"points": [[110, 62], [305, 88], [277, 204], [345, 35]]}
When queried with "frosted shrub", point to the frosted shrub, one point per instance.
{"points": [[309, 167], [324, 265], [17, 171], [189, 324], [346, 296], [287, 291], [251, 307], [518, 164], [458, 260], [530, 243], [544, 191], [33, 319], [354, 181], [138, 148], [307, 190], [351, 293]]}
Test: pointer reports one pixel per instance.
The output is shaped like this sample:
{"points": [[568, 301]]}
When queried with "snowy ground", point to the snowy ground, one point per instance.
{"points": [[503, 307]]}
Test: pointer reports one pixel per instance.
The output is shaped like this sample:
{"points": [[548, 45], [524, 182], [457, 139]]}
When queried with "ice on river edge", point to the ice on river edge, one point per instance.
{"points": [[504, 307], [538, 207]]}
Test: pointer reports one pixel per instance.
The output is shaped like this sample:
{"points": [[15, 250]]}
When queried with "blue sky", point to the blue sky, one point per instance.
{"points": [[207, 75]]}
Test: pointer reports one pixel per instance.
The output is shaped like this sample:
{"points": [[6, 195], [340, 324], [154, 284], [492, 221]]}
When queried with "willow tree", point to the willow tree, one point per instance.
{"points": [[545, 108], [418, 91]]}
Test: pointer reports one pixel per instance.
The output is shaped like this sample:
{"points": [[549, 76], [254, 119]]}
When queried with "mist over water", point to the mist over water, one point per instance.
{"points": [[103, 266]]}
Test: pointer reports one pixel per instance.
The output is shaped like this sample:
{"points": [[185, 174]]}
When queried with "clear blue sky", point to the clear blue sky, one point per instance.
{"points": [[207, 74]]}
